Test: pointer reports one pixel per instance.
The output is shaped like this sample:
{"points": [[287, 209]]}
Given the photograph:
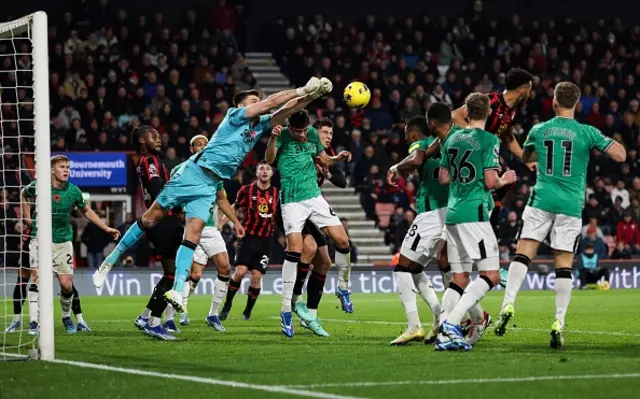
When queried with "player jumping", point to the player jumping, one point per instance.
{"points": [[212, 247], [470, 164], [302, 200], [420, 245], [64, 198], [561, 148], [259, 204], [195, 187]]}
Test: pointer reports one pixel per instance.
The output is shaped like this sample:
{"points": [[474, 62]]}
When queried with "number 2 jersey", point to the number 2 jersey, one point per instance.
{"points": [[467, 153], [563, 146]]}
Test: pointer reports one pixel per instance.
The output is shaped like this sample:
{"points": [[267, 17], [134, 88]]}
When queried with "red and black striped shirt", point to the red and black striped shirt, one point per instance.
{"points": [[321, 176], [501, 116], [260, 207], [149, 168]]}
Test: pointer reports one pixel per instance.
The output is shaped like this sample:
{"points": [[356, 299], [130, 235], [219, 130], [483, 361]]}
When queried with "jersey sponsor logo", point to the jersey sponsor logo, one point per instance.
{"points": [[56, 197], [249, 135], [263, 208]]}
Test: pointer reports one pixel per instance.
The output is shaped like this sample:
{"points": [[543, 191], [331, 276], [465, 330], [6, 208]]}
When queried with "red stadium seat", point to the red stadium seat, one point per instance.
{"points": [[384, 212]]}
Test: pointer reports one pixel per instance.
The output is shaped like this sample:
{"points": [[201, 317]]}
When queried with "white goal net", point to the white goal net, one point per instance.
{"points": [[25, 153]]}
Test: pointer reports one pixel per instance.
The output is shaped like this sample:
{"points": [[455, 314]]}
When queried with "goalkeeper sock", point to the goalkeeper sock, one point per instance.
{"points": [[563, 293], [289, 270], [184, 259], [301, 277], [343, 264], [34, 306], [473, 294], [252, 297], [19, 295], [407, 293], [65, 303], [450, 299], [219, 292], [130, 237], [315, 287], [427, 293]]}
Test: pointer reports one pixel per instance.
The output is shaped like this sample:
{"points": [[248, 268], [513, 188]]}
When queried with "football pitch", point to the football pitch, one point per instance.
{"points": [[601, 357]]}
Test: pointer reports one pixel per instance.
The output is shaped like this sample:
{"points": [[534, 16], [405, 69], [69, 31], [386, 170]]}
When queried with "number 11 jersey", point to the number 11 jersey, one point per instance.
{"points": [[563, 146]]}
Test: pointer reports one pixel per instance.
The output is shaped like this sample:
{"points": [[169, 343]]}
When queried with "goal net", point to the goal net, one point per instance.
{"points": [[25, 152]]}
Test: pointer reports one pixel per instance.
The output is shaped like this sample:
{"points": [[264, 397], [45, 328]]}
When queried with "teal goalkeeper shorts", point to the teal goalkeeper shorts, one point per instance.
{"points": [[191, 188]]}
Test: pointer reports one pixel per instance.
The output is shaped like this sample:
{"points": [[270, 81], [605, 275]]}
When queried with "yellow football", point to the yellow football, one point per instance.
{"points": [[357, 95]]}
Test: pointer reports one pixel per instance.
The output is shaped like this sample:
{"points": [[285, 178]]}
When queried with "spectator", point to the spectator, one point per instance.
{"points": [[596, 242], [589, 268], [593, 222], [371, 191], [508, 232], [620, 191], [627, 233], [620, 252]]}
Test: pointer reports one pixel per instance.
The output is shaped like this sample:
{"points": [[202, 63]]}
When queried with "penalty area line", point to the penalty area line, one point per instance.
{"points": [[210, 381], [365, 384]]}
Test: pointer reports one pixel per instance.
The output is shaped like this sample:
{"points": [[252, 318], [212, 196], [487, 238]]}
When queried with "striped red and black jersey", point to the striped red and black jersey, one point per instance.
{"points": [[259, 208], [501, 116], [321, 176], [150, 168]]}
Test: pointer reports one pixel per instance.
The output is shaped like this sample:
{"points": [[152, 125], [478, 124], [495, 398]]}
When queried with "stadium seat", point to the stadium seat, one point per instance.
{"points": [[384, 212]]}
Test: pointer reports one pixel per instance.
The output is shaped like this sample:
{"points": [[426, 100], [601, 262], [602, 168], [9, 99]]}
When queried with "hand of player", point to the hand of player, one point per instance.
{"points": [[343, 156], [113, 233], [326, 85], [392, 177], [532, 166], [239, 230], [28, 222], [509, 177], [276, 130], [312, 85]]}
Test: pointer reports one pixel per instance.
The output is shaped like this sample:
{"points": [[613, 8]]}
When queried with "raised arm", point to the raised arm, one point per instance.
{"points": [[616, 152], [407, 165], [277, 99], [459, 117], [272, 145]]}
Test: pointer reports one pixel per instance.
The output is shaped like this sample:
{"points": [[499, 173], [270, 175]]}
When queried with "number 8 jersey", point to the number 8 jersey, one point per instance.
{"points": [[563, 147], [467, 153]]}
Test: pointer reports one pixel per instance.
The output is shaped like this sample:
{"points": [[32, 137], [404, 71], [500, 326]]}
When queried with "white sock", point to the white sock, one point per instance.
{"points": [[343, 264], [169, 312], [427, 293], [407, 292], [563, 296], [296, 298], [16, 317], [219, 293], [34, 306], [289, 272], [186, 293], [517, 274], [472, 295], [477, 313], [146, 313], [314, 312], [80, 319], [446, 279], [65, 304], [450, 299], [154, 321]]}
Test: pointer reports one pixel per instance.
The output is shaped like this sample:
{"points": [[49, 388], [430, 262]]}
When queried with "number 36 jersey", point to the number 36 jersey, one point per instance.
{"points": [[562, 146], [467, 153]]}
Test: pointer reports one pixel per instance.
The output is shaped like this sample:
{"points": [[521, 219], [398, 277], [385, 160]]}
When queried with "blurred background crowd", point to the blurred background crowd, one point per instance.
{"points": [[111, 71]]}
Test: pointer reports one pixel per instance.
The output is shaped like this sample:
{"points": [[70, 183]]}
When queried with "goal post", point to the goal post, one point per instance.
{"points": [[25, 44]]}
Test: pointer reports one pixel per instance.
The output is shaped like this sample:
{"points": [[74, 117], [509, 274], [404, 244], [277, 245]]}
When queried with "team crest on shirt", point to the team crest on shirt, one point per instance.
{"points": [[56, 197], [249, 135]]}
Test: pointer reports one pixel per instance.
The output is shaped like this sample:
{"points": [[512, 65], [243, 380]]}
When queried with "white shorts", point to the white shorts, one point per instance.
{"points": [[62, 257], [421, 242], [565, 230], [296, 214], [472, 243], [211, 243]]}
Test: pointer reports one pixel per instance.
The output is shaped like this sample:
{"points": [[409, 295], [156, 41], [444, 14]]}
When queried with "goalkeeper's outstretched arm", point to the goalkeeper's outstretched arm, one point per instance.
{"points": [[278, 99]]}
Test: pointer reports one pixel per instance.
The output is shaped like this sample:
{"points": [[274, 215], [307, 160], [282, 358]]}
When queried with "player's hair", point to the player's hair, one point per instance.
{"points": [[139, 132], [419, 124], [517, 77], [439, 112], [299, 120], [263, 162], [478, 106], [56, 159], [320, 123], [196, 137], [567, 94], [242, 94]]}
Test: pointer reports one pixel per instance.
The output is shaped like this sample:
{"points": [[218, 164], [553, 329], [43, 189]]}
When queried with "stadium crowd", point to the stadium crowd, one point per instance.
{"points": [[111, 71]]}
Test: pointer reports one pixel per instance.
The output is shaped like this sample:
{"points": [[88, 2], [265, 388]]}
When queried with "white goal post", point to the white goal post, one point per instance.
{"points": [[33, 28]]}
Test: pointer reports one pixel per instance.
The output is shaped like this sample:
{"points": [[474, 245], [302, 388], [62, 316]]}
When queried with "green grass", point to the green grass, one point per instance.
{"points": [[601, 338]]}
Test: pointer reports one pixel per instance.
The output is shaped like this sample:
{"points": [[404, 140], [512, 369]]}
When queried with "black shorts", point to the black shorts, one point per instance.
{"points": [[254, 253], [166, 236], [309, 229]]}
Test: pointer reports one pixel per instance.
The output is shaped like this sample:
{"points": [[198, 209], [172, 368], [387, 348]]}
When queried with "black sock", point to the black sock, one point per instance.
{"points": [[19, 294], [75, 305], [314, 290], [195, 282], [301, 277], [157, 303], [252, 297], [234, 287]]}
